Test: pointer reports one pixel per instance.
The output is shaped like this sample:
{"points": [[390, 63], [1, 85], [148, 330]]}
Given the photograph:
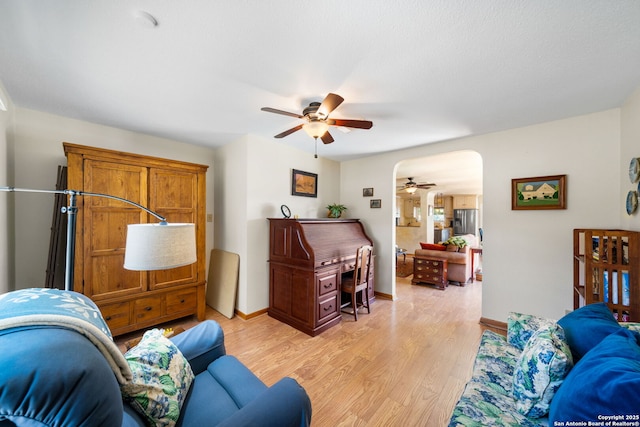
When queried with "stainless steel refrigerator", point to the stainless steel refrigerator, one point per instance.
{"points": [[465, 221]]}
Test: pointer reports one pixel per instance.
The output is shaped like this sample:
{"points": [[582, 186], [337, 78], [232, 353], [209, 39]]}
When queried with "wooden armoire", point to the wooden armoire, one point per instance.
{"points": [[132, 300]]}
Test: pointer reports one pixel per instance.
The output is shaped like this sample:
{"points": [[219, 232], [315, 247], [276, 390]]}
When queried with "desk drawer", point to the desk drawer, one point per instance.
{"points": [[327, 282], [328, 309]]}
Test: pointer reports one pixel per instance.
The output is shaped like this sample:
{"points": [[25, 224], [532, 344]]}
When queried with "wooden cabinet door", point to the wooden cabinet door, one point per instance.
{"points": [[291, 295], [104, 228], [465, 202], [173, 195]]}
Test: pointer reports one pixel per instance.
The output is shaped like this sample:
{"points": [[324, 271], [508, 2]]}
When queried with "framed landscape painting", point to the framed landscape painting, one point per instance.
{"points": [[541, 192], [304, 183]]}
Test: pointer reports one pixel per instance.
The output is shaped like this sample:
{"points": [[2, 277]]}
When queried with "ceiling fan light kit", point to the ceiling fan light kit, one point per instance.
{"points": [[411, 187], [317, 119], [315, 128]]}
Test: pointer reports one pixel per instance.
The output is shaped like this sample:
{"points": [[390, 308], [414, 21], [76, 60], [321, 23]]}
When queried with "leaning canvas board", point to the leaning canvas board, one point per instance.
{"points": [[222, 284]]}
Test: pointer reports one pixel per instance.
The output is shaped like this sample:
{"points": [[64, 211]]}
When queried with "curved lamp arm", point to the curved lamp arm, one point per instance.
{"points": [[71, 210], [84, 193]]}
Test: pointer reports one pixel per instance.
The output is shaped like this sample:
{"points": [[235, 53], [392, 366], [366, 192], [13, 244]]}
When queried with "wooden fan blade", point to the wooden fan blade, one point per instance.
{"points": [[327, 138], [288, 132], [329, 104], [286, 113], [360, 124]]}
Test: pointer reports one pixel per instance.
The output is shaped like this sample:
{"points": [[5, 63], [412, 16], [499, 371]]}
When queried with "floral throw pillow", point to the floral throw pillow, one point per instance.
{"points": [[544, 363], [520, 327], [161, 379]]}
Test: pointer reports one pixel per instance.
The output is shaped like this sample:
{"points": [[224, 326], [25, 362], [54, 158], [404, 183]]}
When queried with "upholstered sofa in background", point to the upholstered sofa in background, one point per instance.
{"points": [[59, 372], [458, 259], [583, 368]]}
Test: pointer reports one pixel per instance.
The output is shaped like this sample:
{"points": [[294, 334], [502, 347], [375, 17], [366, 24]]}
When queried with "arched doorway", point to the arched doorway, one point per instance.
{"points": [[426, 188]]}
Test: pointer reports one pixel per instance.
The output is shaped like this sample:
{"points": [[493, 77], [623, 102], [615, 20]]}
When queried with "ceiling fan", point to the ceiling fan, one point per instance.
{"points": [[317, 120], [410, 186]]}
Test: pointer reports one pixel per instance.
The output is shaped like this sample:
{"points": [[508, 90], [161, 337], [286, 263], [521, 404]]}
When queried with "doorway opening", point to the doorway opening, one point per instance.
{"points": [[436, 198]]}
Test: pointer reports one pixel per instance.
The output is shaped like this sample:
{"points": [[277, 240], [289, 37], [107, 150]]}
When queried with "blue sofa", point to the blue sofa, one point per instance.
{"points": [[581, 369], [56, 375]]}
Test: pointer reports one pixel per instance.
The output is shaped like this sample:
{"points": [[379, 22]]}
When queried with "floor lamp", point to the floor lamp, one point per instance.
{"points": [[148, 247]]}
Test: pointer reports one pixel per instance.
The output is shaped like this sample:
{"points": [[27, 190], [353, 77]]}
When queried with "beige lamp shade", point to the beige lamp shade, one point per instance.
{"points": [[159, 246]]}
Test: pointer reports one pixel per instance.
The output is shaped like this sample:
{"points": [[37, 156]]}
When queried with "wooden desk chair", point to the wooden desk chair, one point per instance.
{"points": [[359, 281]]}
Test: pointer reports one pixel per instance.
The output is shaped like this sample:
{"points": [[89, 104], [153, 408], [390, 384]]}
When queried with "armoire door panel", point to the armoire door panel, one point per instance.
{"points": [[177, 216], [169, 190], [108, 229], [174, 196], [109, 279], [175, 276], [180, 275], [125, 181], [105, 225]]}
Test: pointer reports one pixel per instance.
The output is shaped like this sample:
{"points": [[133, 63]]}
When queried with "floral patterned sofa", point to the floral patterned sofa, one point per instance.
{"points": [[584, 367]]}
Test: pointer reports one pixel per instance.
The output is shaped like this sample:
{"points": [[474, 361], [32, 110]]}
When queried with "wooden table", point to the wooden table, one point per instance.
{"points": [[474, 251]]}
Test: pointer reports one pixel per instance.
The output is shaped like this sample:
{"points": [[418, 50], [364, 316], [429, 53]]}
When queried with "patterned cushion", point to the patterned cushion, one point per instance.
{"points": [[487, 399], [161, 379], [540, 370], [520, 327]]}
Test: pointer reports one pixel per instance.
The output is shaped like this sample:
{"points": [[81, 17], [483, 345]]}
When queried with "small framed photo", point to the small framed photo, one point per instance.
{"points": [[367, 192], [375, 203], [541, 192], [304, 183]]}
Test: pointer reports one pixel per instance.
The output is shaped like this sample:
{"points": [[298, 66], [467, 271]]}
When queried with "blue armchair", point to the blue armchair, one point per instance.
{"points": [[56, 376]]}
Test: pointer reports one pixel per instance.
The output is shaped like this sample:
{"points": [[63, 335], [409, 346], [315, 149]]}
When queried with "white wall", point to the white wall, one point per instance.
{"points": [[527, 254], [255, 176], [6, 213], [38, 152], [630, 147]]}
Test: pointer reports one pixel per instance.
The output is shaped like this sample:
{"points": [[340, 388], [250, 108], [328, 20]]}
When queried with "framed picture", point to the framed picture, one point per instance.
{"points": [[541, 192], [304, 183], [375, 203], [367, 192]]}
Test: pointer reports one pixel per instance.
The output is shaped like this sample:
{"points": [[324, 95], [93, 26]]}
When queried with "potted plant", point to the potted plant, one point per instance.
{"points": [[335, 210]]}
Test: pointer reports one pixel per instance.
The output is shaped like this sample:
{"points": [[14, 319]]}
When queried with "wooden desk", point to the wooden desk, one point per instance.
{"points": [[307, 258]]}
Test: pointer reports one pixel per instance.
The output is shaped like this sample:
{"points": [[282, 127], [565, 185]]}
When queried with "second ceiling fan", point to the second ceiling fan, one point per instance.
{"points": [[317, 120], [410, 186]]}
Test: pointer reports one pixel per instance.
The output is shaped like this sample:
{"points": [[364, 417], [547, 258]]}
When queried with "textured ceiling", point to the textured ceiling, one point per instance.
{"points": [[421, 70]]}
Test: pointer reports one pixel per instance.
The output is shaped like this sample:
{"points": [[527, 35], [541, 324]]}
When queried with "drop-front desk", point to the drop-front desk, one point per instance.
{"points": [[307, 258]]}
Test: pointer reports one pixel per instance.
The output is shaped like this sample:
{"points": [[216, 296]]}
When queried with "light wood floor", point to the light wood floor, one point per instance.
{"points": [[405, 364]]}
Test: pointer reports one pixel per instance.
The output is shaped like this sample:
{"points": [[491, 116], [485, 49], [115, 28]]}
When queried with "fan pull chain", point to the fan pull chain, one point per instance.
{"points": [[316, 153]]}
